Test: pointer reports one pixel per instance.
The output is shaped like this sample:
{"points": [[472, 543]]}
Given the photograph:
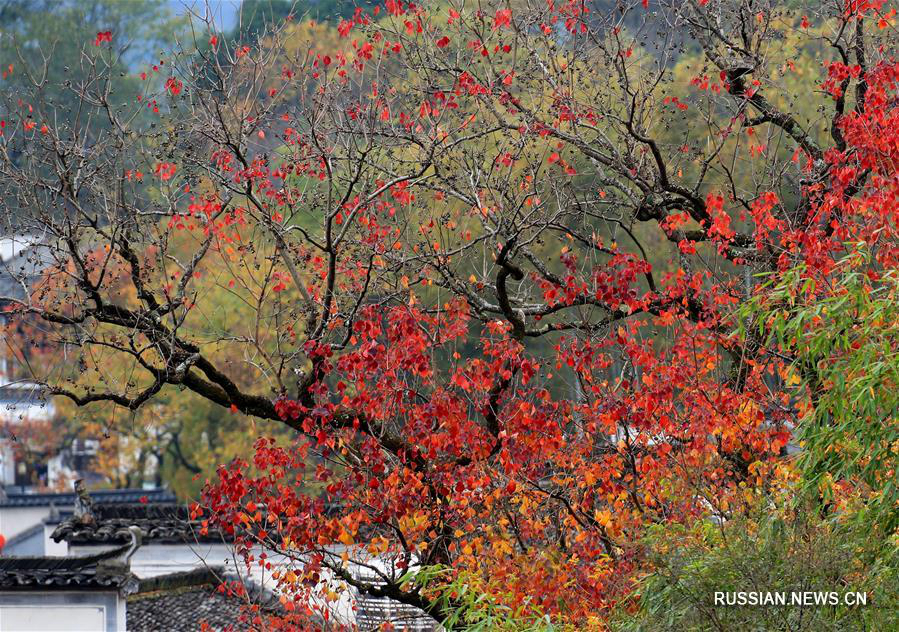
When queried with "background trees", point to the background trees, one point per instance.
{"points": [[43, 42], [483, 267]]}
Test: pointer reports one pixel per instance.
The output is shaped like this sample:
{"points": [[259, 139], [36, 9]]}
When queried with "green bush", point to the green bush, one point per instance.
{"points": [[764, 554]]}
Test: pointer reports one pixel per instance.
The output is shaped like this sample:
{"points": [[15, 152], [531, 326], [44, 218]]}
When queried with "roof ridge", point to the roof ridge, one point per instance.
{"points": [[88, 560]]}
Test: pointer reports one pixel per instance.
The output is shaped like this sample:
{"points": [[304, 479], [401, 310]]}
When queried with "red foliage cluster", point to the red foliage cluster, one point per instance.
{"points": [[483, 367]]}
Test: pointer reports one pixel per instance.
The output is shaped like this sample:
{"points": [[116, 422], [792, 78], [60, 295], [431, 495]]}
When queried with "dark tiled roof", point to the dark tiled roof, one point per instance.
{"points": [[182, 609], [103, 571], [104, 496], [183, 601], [167, 523]]}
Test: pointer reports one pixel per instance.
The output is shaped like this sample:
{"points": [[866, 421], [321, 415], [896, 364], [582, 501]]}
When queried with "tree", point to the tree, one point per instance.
{"points": [[42, 41], [840, 329], [832, 522], [433, 248], [773, 550], [255, 17]]}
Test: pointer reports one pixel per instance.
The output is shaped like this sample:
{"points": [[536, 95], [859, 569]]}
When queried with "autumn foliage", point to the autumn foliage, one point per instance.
{"points": [[491, 268]]}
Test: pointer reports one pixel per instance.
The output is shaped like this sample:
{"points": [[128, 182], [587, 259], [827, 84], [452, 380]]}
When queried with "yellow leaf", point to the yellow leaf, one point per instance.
{"points": [[603, 517]]}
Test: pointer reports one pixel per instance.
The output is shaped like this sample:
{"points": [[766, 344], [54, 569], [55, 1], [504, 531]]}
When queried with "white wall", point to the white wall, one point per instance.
{"points": [[7, 461], [152, 560], [63, 611], [15, 520]]}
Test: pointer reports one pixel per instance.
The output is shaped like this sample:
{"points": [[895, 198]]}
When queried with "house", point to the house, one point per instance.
{"points": [[178, 567], [140, 553], [23, 258], [69, 594], [23, 515], [185, 601], [101, 593], [371, 612], [30, 456], [172, 542], [21, 405], [175, 546]]}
